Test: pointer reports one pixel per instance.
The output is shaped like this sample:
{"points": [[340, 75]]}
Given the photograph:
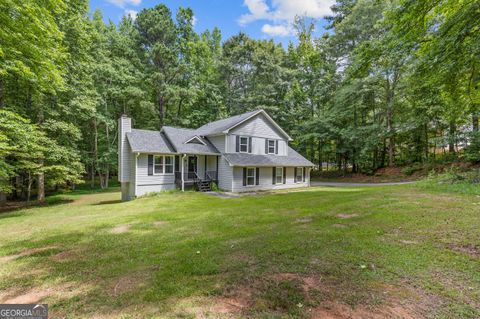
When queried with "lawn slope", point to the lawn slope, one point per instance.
{"points": [[323, 252]]}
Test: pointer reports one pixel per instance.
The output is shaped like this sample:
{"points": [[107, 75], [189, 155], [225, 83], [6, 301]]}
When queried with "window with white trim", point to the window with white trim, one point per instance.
{"points": [[168, 164], [251, 171], [163, 164], [243, 144], [299, 177], [278, 175], [271, 146], [158, 164]]}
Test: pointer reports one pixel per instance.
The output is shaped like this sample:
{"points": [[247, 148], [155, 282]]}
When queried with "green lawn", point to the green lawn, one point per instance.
{"points": [[398, 251]]}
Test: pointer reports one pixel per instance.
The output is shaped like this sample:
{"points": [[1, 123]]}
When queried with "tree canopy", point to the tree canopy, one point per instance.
{"points": [[390, 83]]}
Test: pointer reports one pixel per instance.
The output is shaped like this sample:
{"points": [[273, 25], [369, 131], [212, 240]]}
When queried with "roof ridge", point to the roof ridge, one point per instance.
{"points": [[230, 117], [179, 128], [140, 129]]}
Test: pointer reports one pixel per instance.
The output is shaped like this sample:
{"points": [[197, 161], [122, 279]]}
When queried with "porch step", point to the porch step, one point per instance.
{"points": [[204, 186]]}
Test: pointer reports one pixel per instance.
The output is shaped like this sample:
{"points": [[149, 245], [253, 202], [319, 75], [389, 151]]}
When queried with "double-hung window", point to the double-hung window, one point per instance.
{"points": [[158, 164], [243, 141], [251, 176], [299, 176], [168, 164], [278, 175], [163, 164], [271, 146]]}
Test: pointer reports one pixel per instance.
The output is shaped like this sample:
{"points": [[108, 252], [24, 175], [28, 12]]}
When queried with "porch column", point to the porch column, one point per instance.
{"points": [[183, 169]]}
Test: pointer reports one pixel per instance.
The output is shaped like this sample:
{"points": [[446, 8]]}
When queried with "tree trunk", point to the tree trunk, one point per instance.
{"points": [[41, 185], [29, 187], [161, 110], [426, 141], [92, 176], [107, 176], [451, 137], [391, 139], [2, 94], [475, 121], [320, 159], [41, 162], [3, 199]]}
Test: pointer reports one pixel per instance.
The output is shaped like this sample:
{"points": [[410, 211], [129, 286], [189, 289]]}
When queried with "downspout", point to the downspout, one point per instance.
{"points": [[183, 177]]}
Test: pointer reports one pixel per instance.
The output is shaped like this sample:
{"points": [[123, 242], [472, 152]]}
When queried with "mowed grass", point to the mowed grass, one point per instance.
{"points": [[398, 251]]}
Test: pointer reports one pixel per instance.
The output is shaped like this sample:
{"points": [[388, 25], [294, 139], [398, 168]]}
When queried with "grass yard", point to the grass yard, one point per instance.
{"points": [[379, 252]]}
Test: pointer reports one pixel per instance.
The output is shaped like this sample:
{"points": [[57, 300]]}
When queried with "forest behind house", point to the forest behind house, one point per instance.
{"points": [[391, 83]]}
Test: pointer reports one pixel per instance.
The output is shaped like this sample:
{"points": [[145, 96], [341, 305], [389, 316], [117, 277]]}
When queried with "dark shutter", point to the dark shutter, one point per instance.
{"points": [[266, 146], [284, 175], [244, 176], [295, 175], [150, 164], [237, 143], [276, 146], [273, 175], [249, 144], [304, 169], [257, 176], [177, 163]]}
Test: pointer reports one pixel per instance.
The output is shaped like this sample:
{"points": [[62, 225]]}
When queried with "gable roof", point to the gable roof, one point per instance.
{"points": [[172, 140], [195, 139], [179, 138], [225, 125], [148, 142]]}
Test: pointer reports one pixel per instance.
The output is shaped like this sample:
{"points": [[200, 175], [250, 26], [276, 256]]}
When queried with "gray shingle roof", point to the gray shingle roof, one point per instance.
{"points": [[145, 141], [172, 140], [222, 125], [292, 159], [178, 137]]}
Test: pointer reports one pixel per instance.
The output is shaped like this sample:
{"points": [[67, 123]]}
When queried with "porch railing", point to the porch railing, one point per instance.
{"points": [[211, 175], [189, 176]]}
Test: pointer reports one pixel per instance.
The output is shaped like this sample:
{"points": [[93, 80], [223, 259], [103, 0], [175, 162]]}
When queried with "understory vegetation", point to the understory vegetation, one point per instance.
{"points": [[391, 83], [403, 251], [454, 180]]}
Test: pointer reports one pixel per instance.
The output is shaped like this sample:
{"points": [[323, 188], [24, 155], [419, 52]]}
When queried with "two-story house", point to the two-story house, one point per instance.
{"points": [[247, 152]]}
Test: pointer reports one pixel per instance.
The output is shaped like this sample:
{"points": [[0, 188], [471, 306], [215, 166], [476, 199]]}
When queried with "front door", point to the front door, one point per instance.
{"points": [[192, 164]]}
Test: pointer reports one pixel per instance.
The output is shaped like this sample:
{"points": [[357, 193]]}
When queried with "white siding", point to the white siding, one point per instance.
{"points": [[211, 163], [265, 181], [225, 175], [260, 129], [258, 126], [151, 183], [258, 145], [219, 142]]}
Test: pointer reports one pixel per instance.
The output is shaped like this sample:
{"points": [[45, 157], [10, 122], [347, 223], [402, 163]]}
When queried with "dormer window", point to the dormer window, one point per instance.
{"points": [[243, 144]]}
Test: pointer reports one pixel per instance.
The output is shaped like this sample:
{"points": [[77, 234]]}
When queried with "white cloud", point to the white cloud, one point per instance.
{"points": [[276, 30], [123, 3], [132, 13], [258, 10], [194, 20], [283, 12]]}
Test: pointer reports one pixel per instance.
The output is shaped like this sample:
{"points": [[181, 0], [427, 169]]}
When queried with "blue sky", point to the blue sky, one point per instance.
{"points": [[260, 19]]}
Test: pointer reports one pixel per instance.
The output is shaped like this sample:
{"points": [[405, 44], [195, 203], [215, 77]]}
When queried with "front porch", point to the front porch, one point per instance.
{"points": [[196, 171]]}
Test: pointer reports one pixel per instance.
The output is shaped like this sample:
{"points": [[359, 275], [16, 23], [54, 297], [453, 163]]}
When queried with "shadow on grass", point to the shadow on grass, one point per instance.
{"points": [[109, 202], [14, 209]]}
